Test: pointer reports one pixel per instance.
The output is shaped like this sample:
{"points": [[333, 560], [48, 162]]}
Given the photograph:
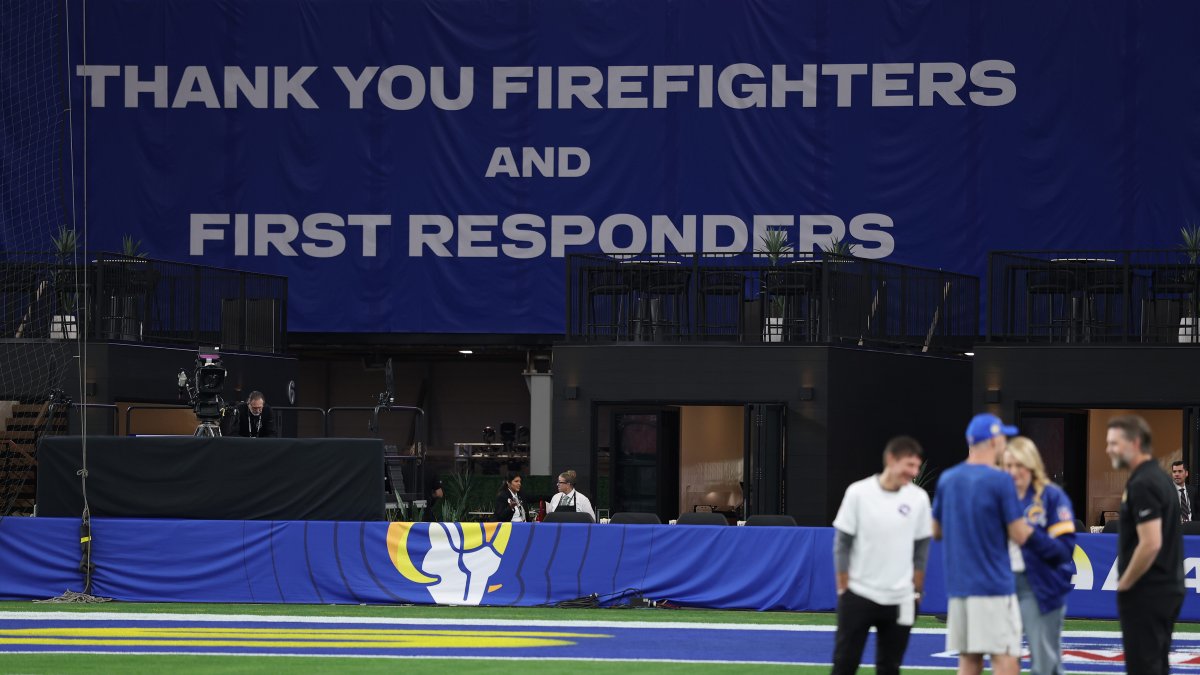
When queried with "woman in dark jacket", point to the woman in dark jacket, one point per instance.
{"points": [[510, 506]]}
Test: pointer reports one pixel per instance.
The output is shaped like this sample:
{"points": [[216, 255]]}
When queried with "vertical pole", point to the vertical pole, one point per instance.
{"points": [[541, 406]]}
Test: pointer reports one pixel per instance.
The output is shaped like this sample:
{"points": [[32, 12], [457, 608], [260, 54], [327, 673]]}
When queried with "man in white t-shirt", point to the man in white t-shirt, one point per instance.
{"points": [[881, 545]]}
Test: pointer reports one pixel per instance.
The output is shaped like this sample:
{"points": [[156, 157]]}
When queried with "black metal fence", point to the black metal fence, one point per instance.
{"points": [[1147, 296], [113, 297], [748, 298]]}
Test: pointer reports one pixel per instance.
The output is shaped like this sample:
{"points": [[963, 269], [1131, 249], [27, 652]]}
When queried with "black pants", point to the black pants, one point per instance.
{"points": [[1147, 619], [855, 616]]}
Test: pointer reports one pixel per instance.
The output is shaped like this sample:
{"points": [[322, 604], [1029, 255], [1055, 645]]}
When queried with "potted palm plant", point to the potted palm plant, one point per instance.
{"points": [[775, 245], [63, 324], [839, 247], [132, 248]]}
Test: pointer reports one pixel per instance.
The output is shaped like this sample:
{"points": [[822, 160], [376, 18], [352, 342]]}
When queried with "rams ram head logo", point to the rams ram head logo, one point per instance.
{"points": [[461, 559]]}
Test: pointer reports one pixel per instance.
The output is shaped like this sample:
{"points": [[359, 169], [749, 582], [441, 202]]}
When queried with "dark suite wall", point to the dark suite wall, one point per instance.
{"points": [[877, 395], [1086, 375], [136, 372], [697, 374], [461, 397]]}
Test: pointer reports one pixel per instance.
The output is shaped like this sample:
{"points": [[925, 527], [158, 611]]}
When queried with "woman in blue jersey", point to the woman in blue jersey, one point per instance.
{"points": [[1043, 565]]}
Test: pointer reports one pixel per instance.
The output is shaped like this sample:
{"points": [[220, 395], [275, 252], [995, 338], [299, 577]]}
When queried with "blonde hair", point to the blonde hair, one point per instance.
{"points": [[568, 476], [1026, 453]]}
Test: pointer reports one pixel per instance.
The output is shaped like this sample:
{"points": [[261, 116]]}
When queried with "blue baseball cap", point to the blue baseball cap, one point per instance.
{"points": [[986, 425]]}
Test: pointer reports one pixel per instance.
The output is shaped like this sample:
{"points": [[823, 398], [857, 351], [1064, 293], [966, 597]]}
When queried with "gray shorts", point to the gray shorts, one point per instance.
{"points": [[984, 624]]}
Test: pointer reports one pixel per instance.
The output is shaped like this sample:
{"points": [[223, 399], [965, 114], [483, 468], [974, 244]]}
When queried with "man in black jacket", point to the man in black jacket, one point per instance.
{"points": [[1179, 476], [252, 419]]}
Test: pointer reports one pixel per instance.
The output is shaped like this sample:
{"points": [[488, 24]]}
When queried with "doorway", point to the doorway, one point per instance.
{"points": [[1072, 442], [675, 458]]}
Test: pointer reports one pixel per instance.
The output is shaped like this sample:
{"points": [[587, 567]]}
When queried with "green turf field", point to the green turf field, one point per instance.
{"points": [[70, 663]]}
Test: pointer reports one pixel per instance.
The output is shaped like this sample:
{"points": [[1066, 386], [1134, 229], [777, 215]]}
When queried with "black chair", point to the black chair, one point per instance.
{"points": [[1112, 527], [770, 520], [694, 518], [1080, 527], [1192, 527], [568, 517], [635, 518]]}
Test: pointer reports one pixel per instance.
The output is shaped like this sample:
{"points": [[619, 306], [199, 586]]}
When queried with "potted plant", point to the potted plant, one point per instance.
{"points": [[63, 324], [1191, 248], [775, 245], [132, 248], [840, 248]]}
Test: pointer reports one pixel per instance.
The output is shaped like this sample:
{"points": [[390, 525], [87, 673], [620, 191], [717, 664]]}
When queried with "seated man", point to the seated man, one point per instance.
{"points": [[252, 419]]}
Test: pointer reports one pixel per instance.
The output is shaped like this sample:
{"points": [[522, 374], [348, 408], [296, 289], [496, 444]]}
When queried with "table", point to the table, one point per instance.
{"points": [[1078, 283]]}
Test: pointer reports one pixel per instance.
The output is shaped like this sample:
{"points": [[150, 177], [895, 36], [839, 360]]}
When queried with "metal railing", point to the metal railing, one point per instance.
{"points": [[130, 410], [112, 297], [77, 411], [1075, 297], [327, 420], [744, 298]]}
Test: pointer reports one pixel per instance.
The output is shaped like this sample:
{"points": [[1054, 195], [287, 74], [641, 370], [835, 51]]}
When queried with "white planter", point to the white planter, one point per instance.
{"points": [[1188, 330], [63, 327], [773, 330]]}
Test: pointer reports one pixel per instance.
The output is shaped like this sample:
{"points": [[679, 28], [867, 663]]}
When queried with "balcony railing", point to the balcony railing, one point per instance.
{"points": [[112, 297], [1075, 297], [744, 298]]}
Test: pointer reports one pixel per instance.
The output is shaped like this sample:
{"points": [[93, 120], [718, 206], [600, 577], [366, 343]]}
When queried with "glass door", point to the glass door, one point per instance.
{"points": [[644, 462], [1061, 436], [766, 433]]}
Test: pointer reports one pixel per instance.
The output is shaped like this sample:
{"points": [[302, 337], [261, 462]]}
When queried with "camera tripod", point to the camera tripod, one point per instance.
{"points": [[208, 429]]}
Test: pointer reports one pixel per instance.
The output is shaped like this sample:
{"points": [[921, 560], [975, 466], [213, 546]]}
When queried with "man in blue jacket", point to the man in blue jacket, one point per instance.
{"points": [[975, 512]]}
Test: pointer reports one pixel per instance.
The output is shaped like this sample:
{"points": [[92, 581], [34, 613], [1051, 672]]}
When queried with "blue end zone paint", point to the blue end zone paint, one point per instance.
{"points": [[45, 633]]}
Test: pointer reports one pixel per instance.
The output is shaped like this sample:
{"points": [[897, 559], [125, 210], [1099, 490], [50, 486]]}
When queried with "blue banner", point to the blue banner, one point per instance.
{"points": [[425, 166], [478, 564]]}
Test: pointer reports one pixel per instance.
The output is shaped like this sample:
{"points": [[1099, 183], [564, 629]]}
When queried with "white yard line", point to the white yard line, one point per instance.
{"points": [[58, 615]]}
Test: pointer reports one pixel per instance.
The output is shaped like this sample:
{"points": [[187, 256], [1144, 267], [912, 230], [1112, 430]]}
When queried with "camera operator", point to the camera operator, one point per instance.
{"points": [[253, 419]]}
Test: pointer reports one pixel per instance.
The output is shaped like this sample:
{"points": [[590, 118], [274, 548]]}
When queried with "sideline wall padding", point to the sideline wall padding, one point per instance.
{"points": [[473, 564]]}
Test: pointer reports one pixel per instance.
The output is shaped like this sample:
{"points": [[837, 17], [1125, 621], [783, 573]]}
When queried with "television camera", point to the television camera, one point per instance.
{"points": [[202, 390]]}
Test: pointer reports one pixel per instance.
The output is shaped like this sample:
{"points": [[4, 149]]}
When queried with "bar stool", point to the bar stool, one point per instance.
{"points": [[794, 293], [609, 292], [663, 302], [1171, 299], [1104, 310], [1055, 288], [719, 296]]}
